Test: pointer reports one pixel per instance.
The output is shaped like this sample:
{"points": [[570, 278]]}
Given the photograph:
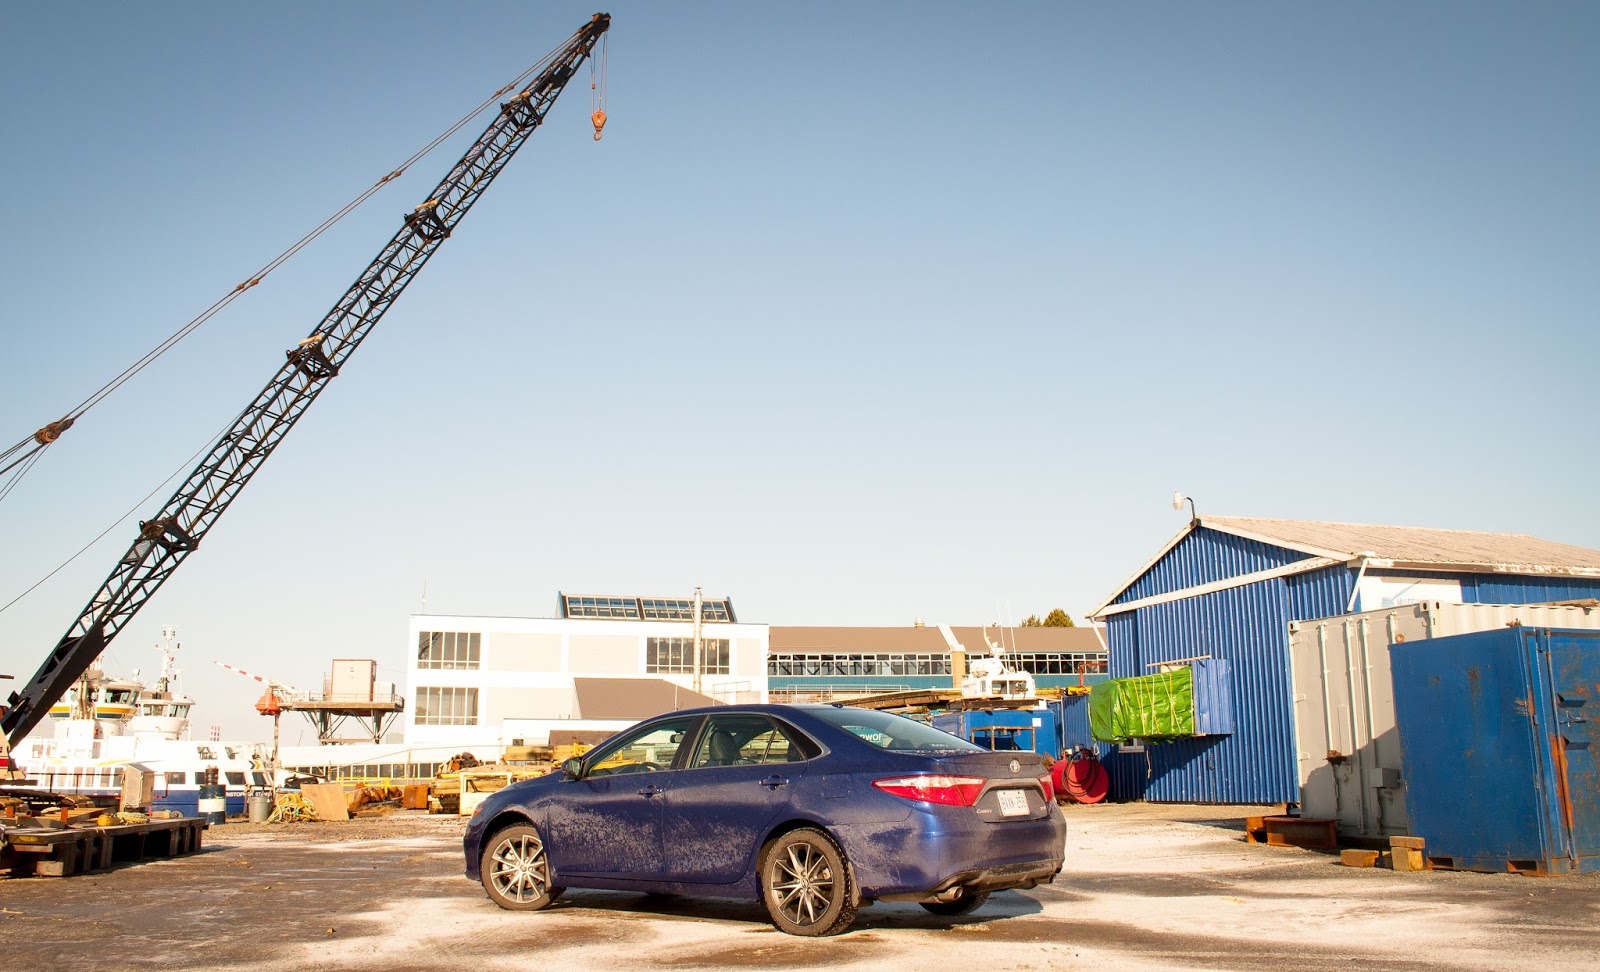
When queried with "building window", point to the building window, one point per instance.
{"points": [[845, 665], [857, 665], [448, 649], [712, 610], [626, 608], [447, 707], [675, 656], [682, 609], [1058, 662]]}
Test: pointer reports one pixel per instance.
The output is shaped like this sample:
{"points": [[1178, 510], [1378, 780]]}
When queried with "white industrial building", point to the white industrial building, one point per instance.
{"points": [[603, 664]]}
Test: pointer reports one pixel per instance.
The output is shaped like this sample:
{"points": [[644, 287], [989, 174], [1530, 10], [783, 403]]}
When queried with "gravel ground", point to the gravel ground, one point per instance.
{"points": [[1147, 887]]}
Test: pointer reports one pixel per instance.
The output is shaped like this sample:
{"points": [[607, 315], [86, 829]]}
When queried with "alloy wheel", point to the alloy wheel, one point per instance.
{"points": [[804, 884], [519, 869]]}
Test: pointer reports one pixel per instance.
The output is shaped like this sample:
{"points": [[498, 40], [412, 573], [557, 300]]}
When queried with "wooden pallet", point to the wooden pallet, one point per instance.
{"points": [[62, 852], [1313, 833]]}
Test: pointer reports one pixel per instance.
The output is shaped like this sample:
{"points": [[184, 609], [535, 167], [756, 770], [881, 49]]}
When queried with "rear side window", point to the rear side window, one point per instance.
{"points": [[893, 732]]}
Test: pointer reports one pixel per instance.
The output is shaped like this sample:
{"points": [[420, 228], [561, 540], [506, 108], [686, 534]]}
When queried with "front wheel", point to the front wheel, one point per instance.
{"points": [[516, 870], [961, 906], [806, 886]]}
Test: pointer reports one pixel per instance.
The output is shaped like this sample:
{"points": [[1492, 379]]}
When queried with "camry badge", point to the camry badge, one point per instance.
{"points": [[1015, 766]]}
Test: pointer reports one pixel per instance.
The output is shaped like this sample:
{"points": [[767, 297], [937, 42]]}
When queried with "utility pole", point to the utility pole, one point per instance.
{"points": [[699, 659]]}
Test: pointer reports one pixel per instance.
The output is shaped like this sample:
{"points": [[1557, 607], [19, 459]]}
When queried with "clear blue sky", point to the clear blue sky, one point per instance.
{"points": [[859, 313]]}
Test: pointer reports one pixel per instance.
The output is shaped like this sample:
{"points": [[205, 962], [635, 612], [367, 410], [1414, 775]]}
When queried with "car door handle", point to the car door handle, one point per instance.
{"points": [[649, 791], [774, 781]]}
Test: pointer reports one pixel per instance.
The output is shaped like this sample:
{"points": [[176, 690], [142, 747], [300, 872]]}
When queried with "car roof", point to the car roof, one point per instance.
{"points": [[762, 707]]}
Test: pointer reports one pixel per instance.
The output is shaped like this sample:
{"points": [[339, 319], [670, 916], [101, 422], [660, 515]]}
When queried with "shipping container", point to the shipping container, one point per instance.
{"points": [[1344, 722], [352, 680], [1500, 735], [1025, 730]]}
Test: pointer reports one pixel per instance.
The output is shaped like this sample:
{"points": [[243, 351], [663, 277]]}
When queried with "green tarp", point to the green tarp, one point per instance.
{"points": [[1149, 707]]}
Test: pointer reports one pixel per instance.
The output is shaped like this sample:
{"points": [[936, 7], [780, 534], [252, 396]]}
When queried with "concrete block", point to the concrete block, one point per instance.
{"points": [[1407, 859], [1406, 854], [1354, 857]]}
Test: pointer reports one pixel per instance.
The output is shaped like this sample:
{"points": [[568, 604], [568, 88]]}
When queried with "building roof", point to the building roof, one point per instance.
{"points": [[928, 641], [633, 698], [1392, 547], [1423, 546]]}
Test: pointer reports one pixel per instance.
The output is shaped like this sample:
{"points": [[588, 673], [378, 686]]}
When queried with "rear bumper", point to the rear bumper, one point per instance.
{"points": [[935, 851], [1027, 874], [1024, 875]]}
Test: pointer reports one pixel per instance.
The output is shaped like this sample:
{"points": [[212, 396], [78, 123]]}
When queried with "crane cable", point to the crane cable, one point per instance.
{"points": [[187, 463], [22, 456], [597, 88], [47, 436]]}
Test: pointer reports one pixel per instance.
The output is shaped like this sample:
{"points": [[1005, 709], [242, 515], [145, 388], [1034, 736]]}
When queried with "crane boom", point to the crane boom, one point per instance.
{"points": [[166, 539], [288, 690]]}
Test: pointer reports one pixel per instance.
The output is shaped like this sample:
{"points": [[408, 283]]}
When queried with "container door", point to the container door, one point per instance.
{"points": [[1575, 737], [1346, 742]]}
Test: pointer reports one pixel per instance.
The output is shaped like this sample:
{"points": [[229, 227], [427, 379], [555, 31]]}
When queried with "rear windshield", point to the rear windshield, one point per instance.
{"points": [[893, 732]]}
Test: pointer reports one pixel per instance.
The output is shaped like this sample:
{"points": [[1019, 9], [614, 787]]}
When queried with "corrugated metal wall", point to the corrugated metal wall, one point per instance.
{"points": [[1500, 589], [1248, 626], [1075, 729], [1204, 556], [1319, 594]]}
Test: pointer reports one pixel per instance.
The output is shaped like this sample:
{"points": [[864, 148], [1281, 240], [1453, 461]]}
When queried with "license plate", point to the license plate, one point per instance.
{"points": [[1013, 803]]}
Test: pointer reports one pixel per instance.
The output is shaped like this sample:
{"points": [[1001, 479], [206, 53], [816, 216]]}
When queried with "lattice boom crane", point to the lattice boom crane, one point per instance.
{"points": [[166, 539]]}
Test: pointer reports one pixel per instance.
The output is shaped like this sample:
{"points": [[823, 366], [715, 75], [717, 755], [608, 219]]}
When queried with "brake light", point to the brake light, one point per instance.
{"points": [[953, 791], [1048, 787]]}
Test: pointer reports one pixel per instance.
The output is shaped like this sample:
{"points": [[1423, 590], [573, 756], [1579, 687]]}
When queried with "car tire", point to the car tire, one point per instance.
{"points": [[806, 885], [961, 906], [516, 870]]}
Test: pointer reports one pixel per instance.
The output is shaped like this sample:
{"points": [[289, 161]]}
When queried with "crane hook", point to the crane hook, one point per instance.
{"points": [[599, 119]]}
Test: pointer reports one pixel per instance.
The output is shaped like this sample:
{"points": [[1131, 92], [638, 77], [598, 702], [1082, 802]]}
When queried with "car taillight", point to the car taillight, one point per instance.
{"points": [[954, 791], [1049, 788]]}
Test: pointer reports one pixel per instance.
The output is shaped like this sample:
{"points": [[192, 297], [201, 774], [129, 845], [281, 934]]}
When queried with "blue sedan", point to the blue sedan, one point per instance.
{"points": [[815, 810]]}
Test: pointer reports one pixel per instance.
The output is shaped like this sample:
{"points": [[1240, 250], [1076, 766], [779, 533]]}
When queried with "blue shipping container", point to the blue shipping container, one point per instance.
{"points": [[1025, 730], [1500, 732]]}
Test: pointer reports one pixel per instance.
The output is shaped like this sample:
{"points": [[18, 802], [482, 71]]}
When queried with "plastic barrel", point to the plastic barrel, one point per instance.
{"points": [[213, 803], [259, 806]]}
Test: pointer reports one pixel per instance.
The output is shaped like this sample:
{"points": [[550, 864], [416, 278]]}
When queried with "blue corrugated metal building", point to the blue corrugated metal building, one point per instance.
{"points": [[1227, 587]]}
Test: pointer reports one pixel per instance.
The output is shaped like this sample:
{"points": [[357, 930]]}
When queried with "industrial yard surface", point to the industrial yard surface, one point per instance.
{"points": [[1146, 887]]}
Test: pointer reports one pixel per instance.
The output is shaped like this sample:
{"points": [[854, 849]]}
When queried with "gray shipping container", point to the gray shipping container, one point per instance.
{"points": [[352, 680], [1346, 745]]}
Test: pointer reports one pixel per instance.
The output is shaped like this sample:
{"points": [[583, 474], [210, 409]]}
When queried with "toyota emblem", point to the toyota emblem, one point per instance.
{"points": [[1015, 766]]}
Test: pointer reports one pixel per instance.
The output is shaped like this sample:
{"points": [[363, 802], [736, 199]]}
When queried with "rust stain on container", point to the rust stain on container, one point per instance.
{"points": [[1558, 751]]}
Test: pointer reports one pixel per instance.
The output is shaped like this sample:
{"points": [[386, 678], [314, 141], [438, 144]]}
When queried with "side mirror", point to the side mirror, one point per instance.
{"points": [[573, 768]]}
